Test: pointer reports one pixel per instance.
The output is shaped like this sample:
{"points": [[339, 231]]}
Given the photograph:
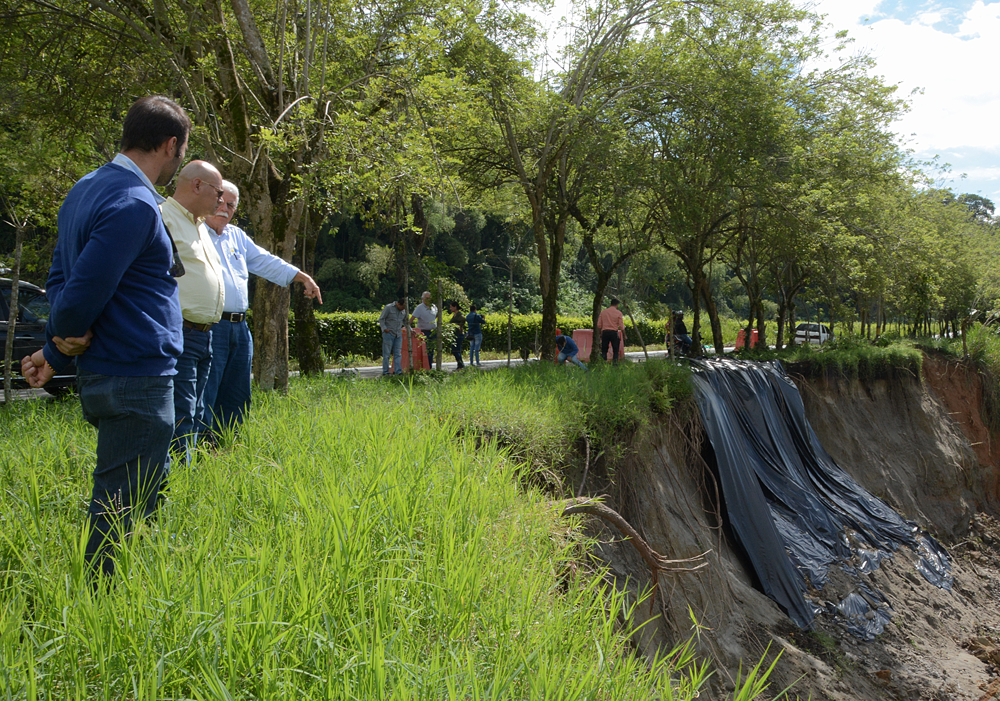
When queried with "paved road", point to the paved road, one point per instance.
{"points": [[367, 372], [24, 393], [376, 370]]}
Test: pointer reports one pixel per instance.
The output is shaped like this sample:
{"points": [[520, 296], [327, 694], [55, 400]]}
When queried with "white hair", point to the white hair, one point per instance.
{"points": [[231, 187]]}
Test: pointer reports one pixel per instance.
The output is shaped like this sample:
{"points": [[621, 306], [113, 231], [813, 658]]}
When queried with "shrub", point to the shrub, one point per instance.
{"points": [[342, 334]]}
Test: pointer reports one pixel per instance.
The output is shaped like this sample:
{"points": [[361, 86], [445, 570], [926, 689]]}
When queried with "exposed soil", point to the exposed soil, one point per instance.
{"points": [[921, 446]]}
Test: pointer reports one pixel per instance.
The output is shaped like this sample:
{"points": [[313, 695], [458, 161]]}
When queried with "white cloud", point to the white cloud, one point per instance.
{"points": [[958, 107]]}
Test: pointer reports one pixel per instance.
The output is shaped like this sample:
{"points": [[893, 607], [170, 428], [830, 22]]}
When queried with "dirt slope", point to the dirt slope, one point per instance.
{"points": [[907, 441]]}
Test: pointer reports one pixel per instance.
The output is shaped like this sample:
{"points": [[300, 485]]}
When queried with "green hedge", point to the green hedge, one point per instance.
{"points": [[356, 333]]}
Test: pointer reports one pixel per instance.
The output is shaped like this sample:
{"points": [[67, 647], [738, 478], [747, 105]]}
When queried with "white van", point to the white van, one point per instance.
{"points": [[807, 332]]}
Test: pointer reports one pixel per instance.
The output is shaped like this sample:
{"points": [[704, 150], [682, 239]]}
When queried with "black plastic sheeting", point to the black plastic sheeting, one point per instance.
{"points": [[793, 509]]}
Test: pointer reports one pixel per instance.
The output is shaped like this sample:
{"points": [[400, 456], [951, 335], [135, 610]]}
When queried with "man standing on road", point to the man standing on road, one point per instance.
{"points": [[426, 317], [610, 323], [391, 322], [111, 287], [198, 195], [227, 394]]}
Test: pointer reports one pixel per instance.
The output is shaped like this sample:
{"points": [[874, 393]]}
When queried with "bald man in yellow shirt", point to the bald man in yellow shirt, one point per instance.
{"points": [[201, 289]]}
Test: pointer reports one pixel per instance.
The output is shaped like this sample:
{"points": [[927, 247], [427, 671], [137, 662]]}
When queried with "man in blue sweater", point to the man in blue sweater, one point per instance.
{"points": [[567, 351], [115, 307]]}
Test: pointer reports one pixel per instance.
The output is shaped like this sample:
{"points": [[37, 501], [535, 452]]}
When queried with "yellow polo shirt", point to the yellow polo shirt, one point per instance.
{"points": [[201, 287]]}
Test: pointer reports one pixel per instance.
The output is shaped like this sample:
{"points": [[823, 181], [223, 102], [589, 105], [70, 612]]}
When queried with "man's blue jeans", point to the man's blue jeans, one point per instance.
{"points": [[193, 369], [392, 345], [227, 394], [429, 337], [134, 417], [562, 358], [474, 345]]}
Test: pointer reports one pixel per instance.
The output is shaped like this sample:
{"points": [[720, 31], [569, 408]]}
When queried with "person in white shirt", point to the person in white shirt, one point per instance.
{"points": [[202, 293], [227, 396], [425, 315]]}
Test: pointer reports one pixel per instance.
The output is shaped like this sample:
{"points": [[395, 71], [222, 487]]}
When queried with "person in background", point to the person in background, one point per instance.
{"points": [[202, 294], [458, 321], [115, 307], [227, 394], [681, 332], [425, 315], [391, 322], [475, 323], [567, 351], [610, 323]]}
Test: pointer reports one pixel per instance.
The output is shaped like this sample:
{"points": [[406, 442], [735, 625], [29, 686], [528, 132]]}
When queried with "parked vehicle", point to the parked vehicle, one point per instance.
{"points": [[29, 333], [808, 332]]}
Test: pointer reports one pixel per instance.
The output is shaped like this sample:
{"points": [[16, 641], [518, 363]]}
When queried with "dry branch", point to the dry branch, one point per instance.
{"points": [[656, 562]]}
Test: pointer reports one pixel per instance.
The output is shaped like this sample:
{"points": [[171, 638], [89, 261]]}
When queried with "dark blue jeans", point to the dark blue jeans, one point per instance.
{"points": [[392, 351], [134, 417], [189, 390], [430, 337], [227, 394]]}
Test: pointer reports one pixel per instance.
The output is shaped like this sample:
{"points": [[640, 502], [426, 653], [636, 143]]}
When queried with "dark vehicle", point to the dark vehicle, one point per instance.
{"points": [[29, 334]]}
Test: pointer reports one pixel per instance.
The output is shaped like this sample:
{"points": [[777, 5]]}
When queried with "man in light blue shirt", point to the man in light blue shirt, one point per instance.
{"points": [[228, 391]]}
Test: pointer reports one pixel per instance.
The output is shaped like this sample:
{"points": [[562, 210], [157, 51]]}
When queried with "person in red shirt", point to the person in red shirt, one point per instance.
{"points": [[610, 323]]}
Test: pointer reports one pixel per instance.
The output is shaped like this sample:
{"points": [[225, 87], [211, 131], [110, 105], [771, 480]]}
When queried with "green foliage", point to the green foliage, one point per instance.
{"points": [[851, 357], [983, 343], [360, 540], [357, 333]]}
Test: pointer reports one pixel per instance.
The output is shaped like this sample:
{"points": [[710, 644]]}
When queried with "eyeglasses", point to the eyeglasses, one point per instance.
{"points": [[218, 190]]}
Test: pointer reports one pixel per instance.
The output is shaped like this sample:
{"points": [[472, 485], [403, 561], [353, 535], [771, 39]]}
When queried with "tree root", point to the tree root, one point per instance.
{"points": [[656, 562]]}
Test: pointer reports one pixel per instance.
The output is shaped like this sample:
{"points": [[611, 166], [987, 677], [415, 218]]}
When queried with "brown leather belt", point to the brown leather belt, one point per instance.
{"points": [[197, 327], [235, 317]]}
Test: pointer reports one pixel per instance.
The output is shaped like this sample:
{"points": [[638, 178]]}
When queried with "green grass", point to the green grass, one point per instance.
{"points": [[983, 344], [358, 540], [541, 410], [850, 357]]}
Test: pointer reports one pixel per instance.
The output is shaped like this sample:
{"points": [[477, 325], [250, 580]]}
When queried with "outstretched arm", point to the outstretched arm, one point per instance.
{"points": [[311, 288]]}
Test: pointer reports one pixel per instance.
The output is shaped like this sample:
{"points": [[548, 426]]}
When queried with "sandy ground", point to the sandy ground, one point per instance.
{"points": [[921, 446]]}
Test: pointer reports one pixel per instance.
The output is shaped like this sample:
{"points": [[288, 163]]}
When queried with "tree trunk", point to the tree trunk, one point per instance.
{"points": [[8, 353], [713, 316], [278, 226], [552, 240], [695, 288], [779, 339], [308, 349], [761, 325], [602, 285]]}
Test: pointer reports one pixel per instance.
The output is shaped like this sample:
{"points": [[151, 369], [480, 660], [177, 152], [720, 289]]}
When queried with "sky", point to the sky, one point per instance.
{"points": [[950, 51], [947, 51]]}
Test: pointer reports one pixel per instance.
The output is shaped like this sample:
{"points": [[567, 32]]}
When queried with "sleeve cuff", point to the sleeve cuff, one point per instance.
{"points": [[53, 357]]}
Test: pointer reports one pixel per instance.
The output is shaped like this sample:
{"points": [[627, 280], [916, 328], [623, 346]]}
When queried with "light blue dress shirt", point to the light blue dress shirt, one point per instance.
{"points": [[125, 162], [240, 257]]}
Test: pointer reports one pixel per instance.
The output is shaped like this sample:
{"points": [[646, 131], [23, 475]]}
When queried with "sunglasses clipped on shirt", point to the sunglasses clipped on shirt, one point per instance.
{"points": [[177, 265]]}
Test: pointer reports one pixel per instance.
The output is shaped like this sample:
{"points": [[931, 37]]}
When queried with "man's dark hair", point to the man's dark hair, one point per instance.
{"points": [[151, 121], [614, 301], [472, 307], [560, 341], [401, 300]]}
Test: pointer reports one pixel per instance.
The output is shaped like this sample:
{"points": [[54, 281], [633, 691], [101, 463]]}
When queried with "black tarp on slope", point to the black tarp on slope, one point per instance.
{"points": [[793, 509]]}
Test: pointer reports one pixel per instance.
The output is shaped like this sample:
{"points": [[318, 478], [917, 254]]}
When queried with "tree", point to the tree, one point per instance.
{"points": [[534, 139], [269, 107]]}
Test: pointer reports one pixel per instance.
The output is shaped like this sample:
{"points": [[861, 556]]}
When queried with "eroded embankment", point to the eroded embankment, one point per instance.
{"points": [[914, 444]]}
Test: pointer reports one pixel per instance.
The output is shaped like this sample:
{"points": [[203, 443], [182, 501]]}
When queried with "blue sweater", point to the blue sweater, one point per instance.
{"points": [[569, 348], [110, 274]]}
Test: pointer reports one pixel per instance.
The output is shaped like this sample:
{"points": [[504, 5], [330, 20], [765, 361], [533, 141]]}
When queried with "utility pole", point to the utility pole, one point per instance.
{"points": [[440, 318]]}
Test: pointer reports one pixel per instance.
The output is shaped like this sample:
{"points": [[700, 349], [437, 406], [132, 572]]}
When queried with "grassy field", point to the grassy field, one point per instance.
{"points": [[358, 540]]}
